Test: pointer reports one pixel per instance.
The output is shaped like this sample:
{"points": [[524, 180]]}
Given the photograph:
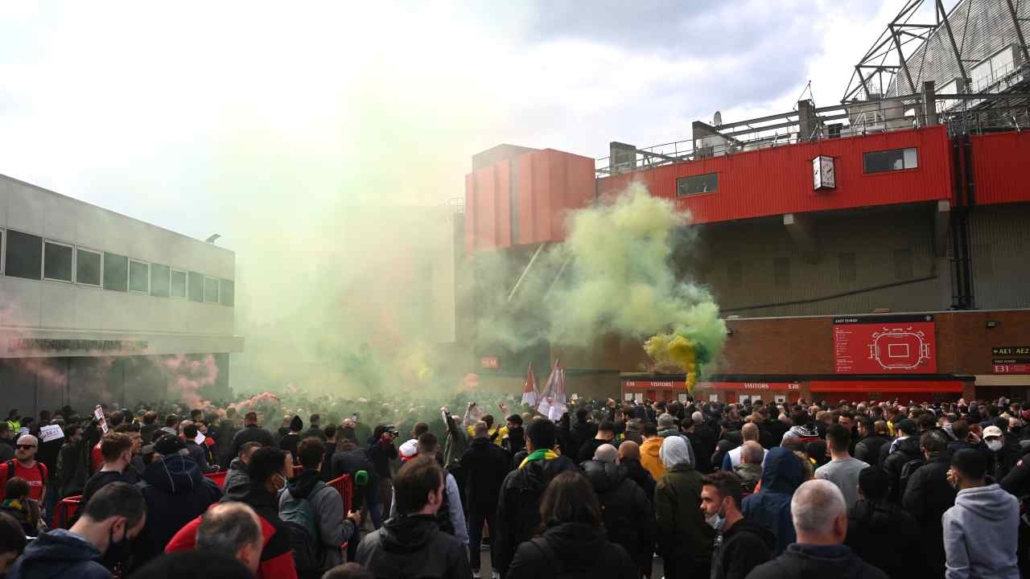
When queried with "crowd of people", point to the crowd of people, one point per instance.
{"points": [[612, 489]]}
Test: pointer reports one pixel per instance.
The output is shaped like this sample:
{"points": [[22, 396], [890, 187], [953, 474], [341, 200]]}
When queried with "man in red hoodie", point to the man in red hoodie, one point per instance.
{"points": [[269, 469]]}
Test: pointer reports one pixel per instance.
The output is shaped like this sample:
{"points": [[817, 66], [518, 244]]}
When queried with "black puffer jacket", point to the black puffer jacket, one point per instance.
{"points": [[627, 512], [518, 508], [887, 537], [836, 561], [572, 550], [907, 450], [743, 547], [413, 546]]}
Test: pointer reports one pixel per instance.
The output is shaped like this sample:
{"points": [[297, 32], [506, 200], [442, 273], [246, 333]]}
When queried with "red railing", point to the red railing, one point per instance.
{"points": [[65, 511]]}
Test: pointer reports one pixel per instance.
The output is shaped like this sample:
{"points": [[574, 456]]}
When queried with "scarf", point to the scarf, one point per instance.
{"points": [[542, 454]]}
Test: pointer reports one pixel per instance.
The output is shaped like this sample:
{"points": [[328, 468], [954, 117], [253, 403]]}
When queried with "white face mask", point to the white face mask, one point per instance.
{"points": [[715, 521], [994, 445]]}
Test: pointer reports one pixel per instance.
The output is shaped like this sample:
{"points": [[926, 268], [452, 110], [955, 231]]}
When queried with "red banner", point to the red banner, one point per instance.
{"points": [[886, 386], [654, 385], [749, 385], [885, 345]]}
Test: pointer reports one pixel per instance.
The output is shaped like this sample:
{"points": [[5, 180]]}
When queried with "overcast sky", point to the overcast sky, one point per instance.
{"points": [[187, 114]]}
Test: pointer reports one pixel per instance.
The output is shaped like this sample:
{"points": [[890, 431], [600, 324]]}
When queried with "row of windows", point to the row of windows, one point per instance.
{"points": [[31, 257], [847, 269], [874, 162]]}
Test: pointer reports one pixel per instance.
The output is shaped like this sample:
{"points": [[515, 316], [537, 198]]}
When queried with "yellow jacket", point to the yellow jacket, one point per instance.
{"points": [[650, 459]]}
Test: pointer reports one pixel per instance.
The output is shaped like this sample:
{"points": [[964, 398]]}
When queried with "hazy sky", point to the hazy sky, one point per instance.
{"points": [[190, 114]]}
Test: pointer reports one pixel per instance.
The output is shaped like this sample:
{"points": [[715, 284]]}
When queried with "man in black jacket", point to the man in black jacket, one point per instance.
{"points": [[821, 522], [251, 432], [740, 545], [518, 508], [580, 433], [927, 496], [629, 458], [873, 435], [410, 544], [880, 532], [485, 465], [900, 452], [605, 435], [627, 513]]}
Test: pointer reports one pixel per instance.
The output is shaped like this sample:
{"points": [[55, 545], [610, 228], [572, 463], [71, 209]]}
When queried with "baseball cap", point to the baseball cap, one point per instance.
{"points": [[992, 432]]}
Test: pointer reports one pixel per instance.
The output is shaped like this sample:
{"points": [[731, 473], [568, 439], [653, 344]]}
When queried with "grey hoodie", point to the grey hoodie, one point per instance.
{"points": [[980, 534]]}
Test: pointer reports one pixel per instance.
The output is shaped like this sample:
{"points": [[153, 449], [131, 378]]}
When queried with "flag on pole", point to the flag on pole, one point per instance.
{"points": [[554, 390], [529, 388]]}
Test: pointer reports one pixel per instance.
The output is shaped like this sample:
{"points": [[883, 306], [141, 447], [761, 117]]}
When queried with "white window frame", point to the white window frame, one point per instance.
{"points": [[128, 278], [62, 244], [151, 278], [75, 266], [186, 286], [218, 290]]}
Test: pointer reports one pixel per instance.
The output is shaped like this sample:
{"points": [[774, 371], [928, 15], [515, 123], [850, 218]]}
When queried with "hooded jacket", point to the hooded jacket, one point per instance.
{"points": [[175, 493], [980, 534], [59, 554], [650, 459], [572, 548], [327, 505], [905, 450], [837, 561], [236, 477], [276, 555], [518, 507], [927, 497], [805, 433], [868, 449], [743, 547], [770, 508], [684, 539], [627, 512], [887, 537], [412, 546]]}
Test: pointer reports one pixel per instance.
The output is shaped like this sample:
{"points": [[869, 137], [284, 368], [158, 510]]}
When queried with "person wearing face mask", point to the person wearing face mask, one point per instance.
{"points": [[269, 469], [740, 544], [116, 514], [1004, 449], [176, 492]]}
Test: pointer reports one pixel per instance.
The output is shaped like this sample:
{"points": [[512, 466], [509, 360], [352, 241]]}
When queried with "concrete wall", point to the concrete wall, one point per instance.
{"points": [[55, 304]]}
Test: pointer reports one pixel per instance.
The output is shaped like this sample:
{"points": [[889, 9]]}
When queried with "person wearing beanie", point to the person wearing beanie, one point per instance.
{"points": [[291, 440], [980, 531]]}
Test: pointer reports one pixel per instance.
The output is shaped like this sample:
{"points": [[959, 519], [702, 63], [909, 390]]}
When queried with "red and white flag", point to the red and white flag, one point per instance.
{"points": [[554, 389], [529, 388]]}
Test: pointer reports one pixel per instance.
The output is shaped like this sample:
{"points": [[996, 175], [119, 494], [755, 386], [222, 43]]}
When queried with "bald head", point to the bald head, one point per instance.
{"points": [[750, 431], [28, 439], [629, 449], [232, 528], [819, 512], [25, 449], [606, 453]]}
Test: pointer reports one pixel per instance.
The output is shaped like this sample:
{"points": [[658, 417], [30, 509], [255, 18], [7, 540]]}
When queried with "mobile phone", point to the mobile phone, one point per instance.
{"points": [[354, 417]]}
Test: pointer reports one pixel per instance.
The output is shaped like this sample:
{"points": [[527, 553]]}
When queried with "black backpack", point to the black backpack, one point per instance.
{"points": [[907, 470]]}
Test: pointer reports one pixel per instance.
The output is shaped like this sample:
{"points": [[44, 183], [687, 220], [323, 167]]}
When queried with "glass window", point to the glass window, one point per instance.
{"points": [[178, 284], [893, 160], [139, 277], [903, 264], [159, 275], [24, 255], [227, 292], [781, 271], [847, 268], [210, 290], [57, 261], [196, 287], [697, 184], [116, 272], [87, 267]]}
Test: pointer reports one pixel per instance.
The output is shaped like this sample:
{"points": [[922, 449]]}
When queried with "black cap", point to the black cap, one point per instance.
{"points": [[169, 444]]}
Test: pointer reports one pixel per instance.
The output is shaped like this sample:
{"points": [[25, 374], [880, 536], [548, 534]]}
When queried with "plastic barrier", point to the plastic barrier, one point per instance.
{"points": [[65, 511]]}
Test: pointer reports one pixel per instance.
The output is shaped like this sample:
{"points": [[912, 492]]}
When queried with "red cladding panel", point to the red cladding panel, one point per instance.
{"points": [[1000, 167], [778, 180], [548, 184]]}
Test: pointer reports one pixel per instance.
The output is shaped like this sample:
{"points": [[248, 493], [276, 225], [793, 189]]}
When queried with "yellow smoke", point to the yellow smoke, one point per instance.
{"points": [[671, 353]]}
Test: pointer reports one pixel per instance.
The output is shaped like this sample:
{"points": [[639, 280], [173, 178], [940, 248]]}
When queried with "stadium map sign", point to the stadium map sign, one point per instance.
{"points": [[885, 345]]}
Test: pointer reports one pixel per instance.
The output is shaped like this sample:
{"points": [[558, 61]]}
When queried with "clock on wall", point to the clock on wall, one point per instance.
{"points": [[824, 174]]}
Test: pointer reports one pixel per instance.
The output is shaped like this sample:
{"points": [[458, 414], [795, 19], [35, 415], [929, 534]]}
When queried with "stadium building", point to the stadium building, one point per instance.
{"points": [[96, 307], [876, 248]]}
